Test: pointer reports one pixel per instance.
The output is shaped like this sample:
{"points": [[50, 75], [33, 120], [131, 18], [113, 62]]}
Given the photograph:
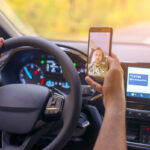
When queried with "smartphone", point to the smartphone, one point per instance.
{"points": [[99, 48]]}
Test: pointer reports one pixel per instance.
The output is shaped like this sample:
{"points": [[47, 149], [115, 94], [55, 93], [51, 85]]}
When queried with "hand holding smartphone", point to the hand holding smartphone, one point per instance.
{"points": [[99, 48]]}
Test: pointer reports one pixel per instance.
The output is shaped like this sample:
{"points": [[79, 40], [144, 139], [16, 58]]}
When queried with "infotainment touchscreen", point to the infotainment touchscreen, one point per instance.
{"points": [[138, 82]]}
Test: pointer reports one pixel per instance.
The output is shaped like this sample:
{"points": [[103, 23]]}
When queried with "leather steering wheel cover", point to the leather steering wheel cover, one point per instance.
{"points": [[70, 74]]}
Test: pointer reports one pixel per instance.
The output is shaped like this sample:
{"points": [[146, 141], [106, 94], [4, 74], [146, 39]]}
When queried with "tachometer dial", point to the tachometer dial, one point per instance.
{"points": [[31, 73]]}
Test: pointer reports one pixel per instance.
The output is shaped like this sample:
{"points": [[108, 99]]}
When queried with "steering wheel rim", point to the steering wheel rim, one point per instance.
{"points": [[74, 100]]}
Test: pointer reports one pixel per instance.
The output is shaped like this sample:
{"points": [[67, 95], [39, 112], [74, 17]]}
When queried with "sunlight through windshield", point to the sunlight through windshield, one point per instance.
{"points": [[71, 19]]}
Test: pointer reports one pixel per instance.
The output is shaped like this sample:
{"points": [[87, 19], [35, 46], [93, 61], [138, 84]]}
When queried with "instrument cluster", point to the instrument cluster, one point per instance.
{"points": [[44, 69]]}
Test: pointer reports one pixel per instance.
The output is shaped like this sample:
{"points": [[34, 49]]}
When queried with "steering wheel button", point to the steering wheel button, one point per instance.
{"points": [[59, 102]]}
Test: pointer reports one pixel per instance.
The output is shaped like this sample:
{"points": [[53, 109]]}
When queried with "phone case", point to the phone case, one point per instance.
{"points": [[97, 65]]}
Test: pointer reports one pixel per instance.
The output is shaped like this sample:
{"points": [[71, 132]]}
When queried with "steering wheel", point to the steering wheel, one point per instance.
{"points": [[23, 105]]}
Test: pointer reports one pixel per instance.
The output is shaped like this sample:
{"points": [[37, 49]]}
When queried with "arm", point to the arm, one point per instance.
{"points": [[112, 135]]}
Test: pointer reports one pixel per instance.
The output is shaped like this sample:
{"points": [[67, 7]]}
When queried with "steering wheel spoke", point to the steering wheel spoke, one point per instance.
{"points": [[55, 105]]}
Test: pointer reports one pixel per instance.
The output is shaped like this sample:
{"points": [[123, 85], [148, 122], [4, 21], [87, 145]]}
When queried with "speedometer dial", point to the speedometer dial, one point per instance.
{"points": [[31, 73]]}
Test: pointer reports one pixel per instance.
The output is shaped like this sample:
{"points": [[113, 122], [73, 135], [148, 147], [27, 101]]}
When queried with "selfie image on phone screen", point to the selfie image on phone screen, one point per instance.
{"points": [[99, 49]]}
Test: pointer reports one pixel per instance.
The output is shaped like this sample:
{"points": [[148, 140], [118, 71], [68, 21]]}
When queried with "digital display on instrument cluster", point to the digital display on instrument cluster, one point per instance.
{"points": [[46, 72], [53, 67], [138, 82]]}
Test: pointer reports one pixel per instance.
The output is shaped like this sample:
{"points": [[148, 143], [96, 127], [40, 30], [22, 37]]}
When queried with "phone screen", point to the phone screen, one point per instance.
{"points": [[99, 47]]}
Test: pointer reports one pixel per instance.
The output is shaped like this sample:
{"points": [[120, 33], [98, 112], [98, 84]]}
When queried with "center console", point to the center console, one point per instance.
{"points": [[137, 85]]}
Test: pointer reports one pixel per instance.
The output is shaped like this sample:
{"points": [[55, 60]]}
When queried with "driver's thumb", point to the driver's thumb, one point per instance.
{"points": [[111, 61]]}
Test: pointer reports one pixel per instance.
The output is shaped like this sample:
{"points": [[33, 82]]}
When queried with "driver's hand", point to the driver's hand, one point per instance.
{"points": [[113, 86], [1, 42]]}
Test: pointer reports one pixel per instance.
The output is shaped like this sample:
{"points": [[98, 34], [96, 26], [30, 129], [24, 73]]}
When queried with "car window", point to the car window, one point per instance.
{"points": [[71, 19]]}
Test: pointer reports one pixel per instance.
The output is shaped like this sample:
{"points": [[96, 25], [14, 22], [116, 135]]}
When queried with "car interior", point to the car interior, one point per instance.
{"points": [[45, 100]]}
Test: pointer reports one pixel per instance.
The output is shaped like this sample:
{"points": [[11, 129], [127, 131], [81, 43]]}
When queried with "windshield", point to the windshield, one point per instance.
{"points": [[71, 19]]}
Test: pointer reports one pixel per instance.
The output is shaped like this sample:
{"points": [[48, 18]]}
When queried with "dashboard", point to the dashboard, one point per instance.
{"points": [[34, 66], [137, 90]]}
